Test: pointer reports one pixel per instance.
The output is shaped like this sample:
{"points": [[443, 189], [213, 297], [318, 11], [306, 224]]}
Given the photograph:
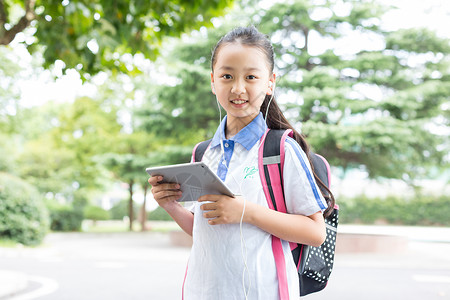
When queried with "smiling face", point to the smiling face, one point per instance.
{"points": [[241, 79]]}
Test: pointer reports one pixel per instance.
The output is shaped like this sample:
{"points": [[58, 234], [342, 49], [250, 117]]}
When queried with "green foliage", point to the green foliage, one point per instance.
{"points": [[372, 108], [57, 156], [120, 210], [421, 210], [95, 213], [47, 166], [187, 111], [417, 40], [87, 128], [10, 74], [7, 153], [65, 218], [367, 107], [159, 214], [23, 216], [95, 35], [380, 110]]}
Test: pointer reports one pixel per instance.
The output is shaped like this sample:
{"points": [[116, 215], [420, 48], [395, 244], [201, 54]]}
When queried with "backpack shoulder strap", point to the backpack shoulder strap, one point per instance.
{"points": [[199, 150], [270, 165], [321, 168]]}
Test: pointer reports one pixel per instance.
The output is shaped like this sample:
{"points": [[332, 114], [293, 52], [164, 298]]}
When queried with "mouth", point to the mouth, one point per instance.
{"points": [[238, 101]]}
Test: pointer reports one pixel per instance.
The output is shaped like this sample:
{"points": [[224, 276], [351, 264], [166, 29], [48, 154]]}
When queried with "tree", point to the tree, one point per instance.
{"points": [[92, 35], [57, 144], [9, 97], [183, 108], [137, 152], [371, 106]]}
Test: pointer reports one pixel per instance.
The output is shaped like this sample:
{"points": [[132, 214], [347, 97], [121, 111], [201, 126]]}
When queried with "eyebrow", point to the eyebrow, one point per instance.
{"points": [[227, 68]]}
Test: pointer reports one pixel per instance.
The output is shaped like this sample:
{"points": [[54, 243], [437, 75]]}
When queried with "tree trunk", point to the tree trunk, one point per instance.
{"points": [[144, 211], [130, 204]]}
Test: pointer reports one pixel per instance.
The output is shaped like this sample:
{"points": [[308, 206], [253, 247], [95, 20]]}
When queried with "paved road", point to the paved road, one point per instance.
{"points": [[146, 266], [101, 266]]}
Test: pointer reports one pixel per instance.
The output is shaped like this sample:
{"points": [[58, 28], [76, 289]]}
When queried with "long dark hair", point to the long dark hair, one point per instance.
{"points": [[250, 36]]}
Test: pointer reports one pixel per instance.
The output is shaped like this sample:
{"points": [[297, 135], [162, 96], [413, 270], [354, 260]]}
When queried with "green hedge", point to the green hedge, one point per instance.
{"points": [[159, 214], [65, 218], [23, 215], [421, 210], [96, 213], [120, 210]]}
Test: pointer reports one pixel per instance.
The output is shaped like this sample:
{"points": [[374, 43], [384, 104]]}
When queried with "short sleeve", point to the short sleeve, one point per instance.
{"points": [[302, 195]]}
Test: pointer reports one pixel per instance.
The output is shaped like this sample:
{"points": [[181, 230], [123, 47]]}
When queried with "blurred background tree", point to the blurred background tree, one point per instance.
{"points": [[366, 97], [57, 147], [374, 104], [378, 105], [91, 36]]}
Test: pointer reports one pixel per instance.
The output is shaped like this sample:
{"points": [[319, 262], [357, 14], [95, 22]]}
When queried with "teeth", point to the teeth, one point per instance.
{"points": [[238, 101]]}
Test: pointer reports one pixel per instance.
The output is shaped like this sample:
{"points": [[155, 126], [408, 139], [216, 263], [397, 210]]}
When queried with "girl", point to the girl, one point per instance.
{"points": [[223, 227]]}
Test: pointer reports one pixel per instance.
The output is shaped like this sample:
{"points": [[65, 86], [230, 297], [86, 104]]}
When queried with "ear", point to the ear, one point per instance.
{"points": [[212, 84], [271, 86]]}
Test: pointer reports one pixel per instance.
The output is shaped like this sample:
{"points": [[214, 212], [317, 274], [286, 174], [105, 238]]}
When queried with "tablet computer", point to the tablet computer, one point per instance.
{"points": [[195, 179]]}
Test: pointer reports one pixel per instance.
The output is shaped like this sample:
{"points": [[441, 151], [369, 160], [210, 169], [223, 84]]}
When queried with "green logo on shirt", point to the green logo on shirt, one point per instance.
{"points": [[249, 172]]}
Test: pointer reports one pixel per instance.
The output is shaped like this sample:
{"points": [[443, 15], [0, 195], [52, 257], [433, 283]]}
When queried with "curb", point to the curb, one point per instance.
{"points": [[12, 282]]}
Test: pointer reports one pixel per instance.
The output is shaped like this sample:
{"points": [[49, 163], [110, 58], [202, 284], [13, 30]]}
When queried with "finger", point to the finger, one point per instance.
{"points": [[165, 187], [211, 198], [208, 206], [217, 221], [211, 214], [167, 195], [155, 179]]}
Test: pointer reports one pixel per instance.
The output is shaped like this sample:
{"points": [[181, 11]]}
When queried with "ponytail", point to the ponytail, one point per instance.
{"points": [[275, 119]]}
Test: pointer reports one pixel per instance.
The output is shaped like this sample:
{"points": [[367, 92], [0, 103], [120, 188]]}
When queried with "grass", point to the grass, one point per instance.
{"points": [[4, 243]]}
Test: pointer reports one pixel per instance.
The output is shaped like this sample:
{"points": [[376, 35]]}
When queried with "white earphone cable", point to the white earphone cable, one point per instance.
{"points": [[243, 245]]}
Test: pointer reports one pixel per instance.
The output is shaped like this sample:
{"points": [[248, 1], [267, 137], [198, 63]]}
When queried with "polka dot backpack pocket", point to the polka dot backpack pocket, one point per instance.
{"points": [[314, 264]]}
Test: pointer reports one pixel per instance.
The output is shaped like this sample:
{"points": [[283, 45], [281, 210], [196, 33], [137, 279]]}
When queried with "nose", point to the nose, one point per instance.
{"points": [[238, 87]]}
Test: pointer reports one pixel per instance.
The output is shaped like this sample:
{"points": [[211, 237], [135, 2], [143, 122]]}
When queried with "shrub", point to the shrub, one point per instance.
{"points": [[159, 214], [23, 215], [120, 210], [95, 213], [420, 210], [65, 218]]}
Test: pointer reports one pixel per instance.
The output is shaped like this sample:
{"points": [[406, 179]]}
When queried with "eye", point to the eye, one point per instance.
{"points": [[227, 76], [251, 77]]}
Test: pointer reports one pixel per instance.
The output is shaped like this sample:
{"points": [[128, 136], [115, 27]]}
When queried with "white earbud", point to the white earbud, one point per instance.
{"points": [[271, 88]]}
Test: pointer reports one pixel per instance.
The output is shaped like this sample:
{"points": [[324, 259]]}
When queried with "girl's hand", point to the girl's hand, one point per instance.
{"points": [[222, 209], [166, 194]]}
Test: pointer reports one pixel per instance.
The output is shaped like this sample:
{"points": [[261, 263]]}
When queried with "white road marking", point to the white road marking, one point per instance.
{"points": [[48, 286]]}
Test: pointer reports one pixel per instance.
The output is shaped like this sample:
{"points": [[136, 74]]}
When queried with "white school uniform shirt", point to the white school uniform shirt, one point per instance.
{"points": [[216, 265]]}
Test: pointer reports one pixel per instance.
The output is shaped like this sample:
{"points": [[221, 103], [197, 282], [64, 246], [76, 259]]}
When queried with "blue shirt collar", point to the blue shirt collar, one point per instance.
{"points": [[247, 137]]}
